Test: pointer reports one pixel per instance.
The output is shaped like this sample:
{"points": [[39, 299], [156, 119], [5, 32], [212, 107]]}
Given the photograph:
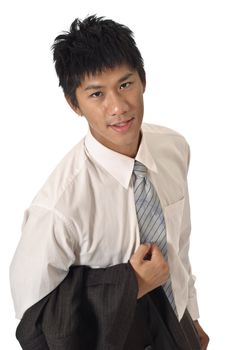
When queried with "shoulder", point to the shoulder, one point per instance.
{"points": [[165, 142], [62, 177], [149, 129], [159, 134]]}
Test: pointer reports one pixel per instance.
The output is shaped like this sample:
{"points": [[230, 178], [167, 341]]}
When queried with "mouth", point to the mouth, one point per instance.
{"points": [[122, 126]]}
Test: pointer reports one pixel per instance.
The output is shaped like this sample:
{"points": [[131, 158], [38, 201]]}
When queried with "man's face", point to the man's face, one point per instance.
{"points": [[112, 103]]}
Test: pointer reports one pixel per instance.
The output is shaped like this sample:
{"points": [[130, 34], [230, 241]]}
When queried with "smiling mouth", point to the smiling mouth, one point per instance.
{"points": [[122, 126]]}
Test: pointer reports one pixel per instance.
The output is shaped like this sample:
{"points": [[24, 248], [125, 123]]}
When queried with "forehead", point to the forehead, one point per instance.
{"points": [[108, 75]]}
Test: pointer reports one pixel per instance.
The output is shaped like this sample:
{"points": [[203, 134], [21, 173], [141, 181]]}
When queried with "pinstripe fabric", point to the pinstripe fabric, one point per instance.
{"points": [[150, 218]]}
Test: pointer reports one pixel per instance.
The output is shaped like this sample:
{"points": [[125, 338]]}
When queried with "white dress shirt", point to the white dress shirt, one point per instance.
{"points": [[85, 215]]}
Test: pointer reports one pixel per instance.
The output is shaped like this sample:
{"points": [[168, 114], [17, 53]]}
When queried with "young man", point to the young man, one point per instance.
{"points": [[119, 196]]}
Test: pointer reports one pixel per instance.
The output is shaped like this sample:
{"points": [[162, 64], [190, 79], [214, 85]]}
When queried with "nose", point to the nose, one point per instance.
{"points": [[116, 104]]}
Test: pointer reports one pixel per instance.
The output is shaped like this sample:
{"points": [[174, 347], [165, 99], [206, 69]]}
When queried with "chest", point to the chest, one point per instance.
{"points": [[105, 217]]}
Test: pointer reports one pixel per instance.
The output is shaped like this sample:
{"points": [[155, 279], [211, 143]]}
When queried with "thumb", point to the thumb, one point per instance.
{"points": [[155, 249], [156, 252]]}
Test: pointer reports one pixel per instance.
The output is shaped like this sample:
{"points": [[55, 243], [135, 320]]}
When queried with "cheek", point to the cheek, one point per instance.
{"points": [[140, 103], [90, 112], [95, 117]]}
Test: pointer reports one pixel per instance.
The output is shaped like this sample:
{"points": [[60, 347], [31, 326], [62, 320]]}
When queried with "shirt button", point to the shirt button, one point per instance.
{"points": [[148, 347]]}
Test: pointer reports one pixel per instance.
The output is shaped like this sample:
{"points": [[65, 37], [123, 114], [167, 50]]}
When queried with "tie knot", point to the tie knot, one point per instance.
{"points": [[139, 169]]}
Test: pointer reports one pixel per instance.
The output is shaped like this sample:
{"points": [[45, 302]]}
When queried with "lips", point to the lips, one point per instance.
{"points": [[122, 126]]}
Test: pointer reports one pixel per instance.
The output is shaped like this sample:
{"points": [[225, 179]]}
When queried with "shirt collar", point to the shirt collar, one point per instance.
{"points": [[117, 164]]}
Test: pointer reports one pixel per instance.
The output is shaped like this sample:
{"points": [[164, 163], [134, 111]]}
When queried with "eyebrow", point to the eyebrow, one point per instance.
{"points": [[96, 87]]}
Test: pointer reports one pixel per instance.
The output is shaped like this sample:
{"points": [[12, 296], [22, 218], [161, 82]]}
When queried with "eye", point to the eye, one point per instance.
{"points": [[96, 94], [125, 85]]}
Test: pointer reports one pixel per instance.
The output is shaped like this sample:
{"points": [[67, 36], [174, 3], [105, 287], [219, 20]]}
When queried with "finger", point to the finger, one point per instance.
{"points": [[142, 251], [204, 345]]}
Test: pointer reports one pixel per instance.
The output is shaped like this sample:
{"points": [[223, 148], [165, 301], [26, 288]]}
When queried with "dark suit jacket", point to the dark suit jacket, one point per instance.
{"points": [[97, 309]]}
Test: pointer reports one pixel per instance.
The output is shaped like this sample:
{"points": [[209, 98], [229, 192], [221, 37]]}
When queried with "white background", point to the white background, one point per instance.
{"points": [[189, 59]]}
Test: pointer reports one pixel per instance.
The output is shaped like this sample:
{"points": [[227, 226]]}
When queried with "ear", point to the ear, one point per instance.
{"points": [[75, 108]]}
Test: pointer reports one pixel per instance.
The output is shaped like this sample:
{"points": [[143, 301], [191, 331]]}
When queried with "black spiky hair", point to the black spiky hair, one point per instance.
{"points": [[91, 46]]}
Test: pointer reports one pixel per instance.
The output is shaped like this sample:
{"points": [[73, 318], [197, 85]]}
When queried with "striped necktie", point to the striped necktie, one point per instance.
{"points": [[150, 218]]}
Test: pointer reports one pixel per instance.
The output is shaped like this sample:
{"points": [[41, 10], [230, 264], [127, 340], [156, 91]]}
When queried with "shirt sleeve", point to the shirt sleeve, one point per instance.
{"points": [[192, 305], [42, 259]]}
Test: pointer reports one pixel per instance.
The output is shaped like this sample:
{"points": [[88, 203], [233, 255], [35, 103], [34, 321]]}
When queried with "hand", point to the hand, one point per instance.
{"points": [[204, 339], [150, 267]]}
